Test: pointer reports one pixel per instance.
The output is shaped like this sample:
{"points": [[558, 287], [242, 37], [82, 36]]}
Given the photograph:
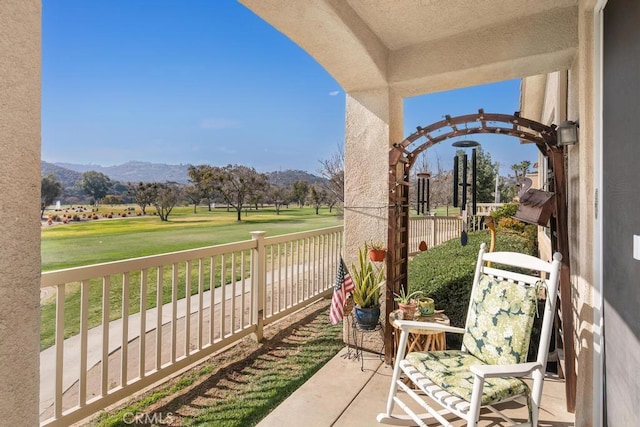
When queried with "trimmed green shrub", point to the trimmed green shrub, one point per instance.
{"points": [[503, 217], [445, 273], [505, 211]]}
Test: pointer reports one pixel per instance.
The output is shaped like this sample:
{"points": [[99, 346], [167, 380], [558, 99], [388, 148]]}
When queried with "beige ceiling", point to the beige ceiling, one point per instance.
{"points": [[400, 24], [423, 46]]}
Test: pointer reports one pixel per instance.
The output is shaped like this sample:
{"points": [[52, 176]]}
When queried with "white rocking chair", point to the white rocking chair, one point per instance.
{"points": [[489, 368]]}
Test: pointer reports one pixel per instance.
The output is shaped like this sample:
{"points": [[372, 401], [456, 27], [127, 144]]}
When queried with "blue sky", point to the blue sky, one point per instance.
{"points": [[208, 82]]}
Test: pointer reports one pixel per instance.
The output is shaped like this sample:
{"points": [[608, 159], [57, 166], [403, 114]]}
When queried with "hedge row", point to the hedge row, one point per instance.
{"points": [[445, 273]]}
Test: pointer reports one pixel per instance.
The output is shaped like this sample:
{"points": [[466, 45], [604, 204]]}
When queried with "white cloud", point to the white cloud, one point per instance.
{"points": [[217, 123], [334, 92]]}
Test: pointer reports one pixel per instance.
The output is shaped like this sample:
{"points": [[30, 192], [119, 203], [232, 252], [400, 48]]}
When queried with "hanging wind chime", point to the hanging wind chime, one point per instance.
{"points": [[464, 238]]}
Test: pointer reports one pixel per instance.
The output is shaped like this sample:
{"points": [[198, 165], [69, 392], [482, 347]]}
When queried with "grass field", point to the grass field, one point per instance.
{"points": [[91, 242]]}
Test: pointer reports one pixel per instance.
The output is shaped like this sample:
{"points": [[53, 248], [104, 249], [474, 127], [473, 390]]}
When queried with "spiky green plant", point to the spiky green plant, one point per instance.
{"points": [[405, 298], [367, 281]]}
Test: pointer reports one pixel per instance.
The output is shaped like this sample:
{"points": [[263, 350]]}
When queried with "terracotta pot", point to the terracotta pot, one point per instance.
{"points": [[377, 255], [408, 310]]}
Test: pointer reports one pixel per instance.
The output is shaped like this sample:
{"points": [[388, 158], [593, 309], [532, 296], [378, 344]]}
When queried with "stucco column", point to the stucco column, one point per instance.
{"points": [[19, 211], [374, 121]]}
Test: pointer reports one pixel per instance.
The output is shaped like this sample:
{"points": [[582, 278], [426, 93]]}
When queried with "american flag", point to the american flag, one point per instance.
{"points": [[342, 288]]}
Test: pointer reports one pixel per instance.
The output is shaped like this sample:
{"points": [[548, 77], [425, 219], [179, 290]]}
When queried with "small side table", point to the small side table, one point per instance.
{"points": [[422, 339]]}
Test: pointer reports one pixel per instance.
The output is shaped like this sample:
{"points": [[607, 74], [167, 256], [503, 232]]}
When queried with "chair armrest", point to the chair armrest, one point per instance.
{"points": [[407, 325], [518, 370]]}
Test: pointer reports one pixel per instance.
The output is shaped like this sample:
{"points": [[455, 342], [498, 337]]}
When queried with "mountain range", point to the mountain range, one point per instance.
{"points": [[134, 171]]}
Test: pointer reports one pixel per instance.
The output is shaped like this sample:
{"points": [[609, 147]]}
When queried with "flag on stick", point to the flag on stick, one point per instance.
{"points": [[344, 286]]}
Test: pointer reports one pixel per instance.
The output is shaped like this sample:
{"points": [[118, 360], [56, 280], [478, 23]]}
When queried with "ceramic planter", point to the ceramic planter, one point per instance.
{"points": [[426, 306], [368, 318]]}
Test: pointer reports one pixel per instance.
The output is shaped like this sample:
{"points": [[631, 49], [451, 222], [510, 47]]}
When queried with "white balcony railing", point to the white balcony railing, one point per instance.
{"points": [[234, 290], [433, 230], [103, 355]]}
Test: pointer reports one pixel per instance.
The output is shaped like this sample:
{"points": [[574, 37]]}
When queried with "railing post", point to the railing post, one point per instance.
{"points": [[258, 283], [435, 231]]}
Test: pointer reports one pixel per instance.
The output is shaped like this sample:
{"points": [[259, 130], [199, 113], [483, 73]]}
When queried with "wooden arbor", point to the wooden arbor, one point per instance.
{"points": [[402, 157]]}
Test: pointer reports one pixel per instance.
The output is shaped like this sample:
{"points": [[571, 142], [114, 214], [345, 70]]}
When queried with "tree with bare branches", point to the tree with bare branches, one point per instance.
{"points": [[236, 184], [144, 194], [168, 197], [332, 169]]}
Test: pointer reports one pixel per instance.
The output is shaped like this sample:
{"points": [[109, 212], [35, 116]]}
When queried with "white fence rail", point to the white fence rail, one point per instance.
{"points": [[484, 209], [103, 355], [433, 230]]}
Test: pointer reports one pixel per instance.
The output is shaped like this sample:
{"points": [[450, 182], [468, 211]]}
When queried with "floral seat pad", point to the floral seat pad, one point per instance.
{"points": [[450, 370]]}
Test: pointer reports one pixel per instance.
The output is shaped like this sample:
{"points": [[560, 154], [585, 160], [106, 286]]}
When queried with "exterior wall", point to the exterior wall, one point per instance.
{"points": [[582, 210], [373, 123], [571, 96], [20, 211], [620, 207]]}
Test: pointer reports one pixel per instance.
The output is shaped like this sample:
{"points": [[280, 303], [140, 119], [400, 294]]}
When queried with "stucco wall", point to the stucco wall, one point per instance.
{"points": [[580, 106], [570, 95], [373, 123], [19, 211]]}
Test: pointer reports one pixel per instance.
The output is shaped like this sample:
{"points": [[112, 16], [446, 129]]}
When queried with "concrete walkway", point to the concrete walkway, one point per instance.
{"points": [[342, 395]]}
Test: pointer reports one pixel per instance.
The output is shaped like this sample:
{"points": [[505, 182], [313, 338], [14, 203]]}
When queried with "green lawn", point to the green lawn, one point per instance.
{"points": [[93, 242], [257, 378]]}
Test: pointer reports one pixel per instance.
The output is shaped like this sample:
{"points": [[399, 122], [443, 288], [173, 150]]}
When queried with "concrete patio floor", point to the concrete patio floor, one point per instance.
{"points": [[343, 395]]}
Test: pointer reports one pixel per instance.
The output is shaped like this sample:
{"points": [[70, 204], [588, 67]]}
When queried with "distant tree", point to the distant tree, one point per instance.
{"points": [[112, 199], [168, 196], [236, 184], [300, 191], [317, 196], [144, 194], [73, 200], [441, 185], [521, 170], [194, 195], [485, 175], [50, 190], [508, 189], [122, 190], [332, 169], [260, 191], [95, 184], [201, 178], [279, 196]]}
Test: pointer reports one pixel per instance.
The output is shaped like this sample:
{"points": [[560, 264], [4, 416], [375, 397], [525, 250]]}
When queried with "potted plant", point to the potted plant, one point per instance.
{"points": [[407, 303], [377, 251], [426, 306], [367, 281]]}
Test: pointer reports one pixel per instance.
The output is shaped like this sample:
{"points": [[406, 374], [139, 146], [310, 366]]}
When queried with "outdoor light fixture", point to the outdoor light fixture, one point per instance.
{"points": [[467, 143], [567, 133]]}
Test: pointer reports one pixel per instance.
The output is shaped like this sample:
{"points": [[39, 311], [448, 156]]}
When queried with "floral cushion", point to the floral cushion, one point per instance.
{"points": [[500, 321], [450, 370]]}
